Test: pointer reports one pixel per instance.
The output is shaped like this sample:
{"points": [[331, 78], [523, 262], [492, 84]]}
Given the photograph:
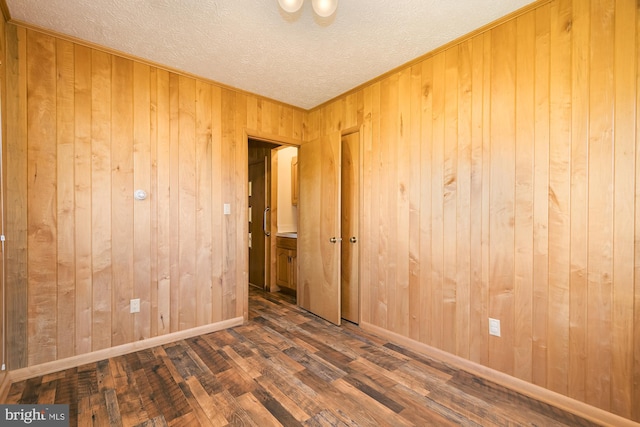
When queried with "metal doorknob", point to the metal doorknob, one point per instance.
{"points": [[335, 239], [353, 239]]}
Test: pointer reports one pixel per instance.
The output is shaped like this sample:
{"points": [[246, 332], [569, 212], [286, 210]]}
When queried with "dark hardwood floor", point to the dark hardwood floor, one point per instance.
{"points": [[284, 367]]}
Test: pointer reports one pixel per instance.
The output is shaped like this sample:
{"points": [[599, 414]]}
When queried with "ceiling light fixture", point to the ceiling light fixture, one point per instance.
{"points": [[290, 6], [322, 8]]}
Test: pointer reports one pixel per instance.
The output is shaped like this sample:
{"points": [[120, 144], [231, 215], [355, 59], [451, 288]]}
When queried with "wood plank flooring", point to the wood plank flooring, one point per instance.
{"points": [[284, 367]]}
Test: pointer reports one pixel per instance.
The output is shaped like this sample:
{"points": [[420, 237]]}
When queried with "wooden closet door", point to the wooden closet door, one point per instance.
{"points": [[319, 226], [350, 213]]}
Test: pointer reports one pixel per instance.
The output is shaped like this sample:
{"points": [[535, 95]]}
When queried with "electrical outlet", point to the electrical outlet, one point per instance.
{"points": [[134, 305], [4, 368], [494, 327]]}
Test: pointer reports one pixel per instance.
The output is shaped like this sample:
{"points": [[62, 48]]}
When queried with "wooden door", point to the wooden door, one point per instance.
{"points": [[319, 227], [257, 203], [350, 185]]}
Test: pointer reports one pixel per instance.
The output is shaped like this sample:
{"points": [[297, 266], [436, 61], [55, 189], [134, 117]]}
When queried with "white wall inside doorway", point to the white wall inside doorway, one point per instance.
{"points": [[287, 213]]}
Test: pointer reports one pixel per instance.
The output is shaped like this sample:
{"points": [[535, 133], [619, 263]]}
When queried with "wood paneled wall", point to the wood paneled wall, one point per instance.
{"points": [[85, 129], [3, 373], [502, 180]]}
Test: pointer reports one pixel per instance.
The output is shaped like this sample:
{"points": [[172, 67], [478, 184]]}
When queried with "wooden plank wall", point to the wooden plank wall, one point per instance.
{"points": [[3, 88], [85, 128], [501, 179]]}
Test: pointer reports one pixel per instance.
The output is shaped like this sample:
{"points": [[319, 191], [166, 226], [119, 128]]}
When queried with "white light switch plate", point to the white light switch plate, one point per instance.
{"points": [[227, 209]]}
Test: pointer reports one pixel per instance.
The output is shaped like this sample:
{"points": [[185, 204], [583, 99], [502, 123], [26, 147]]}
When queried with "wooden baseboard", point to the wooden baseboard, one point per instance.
{"points": [[5, 383], [95, 356], [591, 413]]}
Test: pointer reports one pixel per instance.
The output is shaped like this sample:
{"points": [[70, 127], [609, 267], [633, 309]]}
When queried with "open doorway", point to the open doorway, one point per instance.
{"points": [[273, 217], [260, 189], [262, 230]]}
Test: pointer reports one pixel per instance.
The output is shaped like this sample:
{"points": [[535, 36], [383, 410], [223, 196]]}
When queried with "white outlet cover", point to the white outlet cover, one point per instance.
{"points": [[134, 305], [494, 327], [227, 209]]}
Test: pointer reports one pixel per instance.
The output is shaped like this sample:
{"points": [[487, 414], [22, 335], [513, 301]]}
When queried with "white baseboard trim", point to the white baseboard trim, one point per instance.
{"points": [[591, 413], [95, 356]]}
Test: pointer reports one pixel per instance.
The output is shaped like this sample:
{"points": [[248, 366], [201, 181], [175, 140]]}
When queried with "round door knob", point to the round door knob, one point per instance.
{"points": [[353, 239], [335, 239]]}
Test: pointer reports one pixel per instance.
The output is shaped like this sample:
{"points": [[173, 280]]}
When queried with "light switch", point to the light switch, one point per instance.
{"points": [[227, 209]]}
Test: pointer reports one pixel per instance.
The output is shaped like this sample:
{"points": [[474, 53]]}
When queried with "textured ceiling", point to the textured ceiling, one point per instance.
{"points": [[254, 46]]}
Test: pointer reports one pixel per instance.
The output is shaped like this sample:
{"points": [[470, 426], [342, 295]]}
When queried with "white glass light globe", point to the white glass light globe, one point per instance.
{"points": [[290, 6], [324, 8]]}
